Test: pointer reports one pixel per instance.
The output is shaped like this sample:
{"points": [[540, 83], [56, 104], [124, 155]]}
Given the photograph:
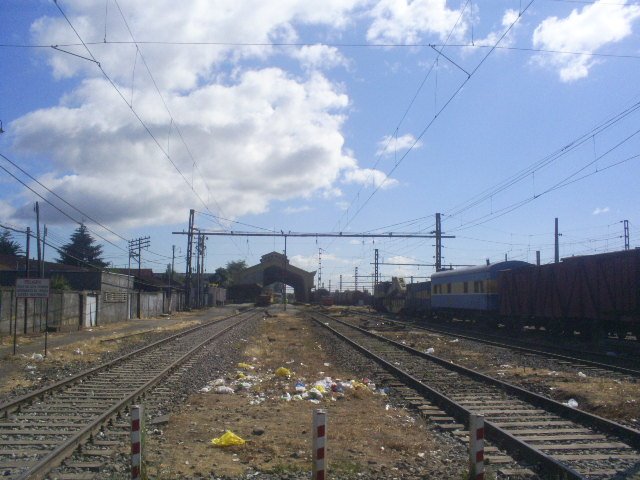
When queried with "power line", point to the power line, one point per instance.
{"points": [[326, 44], [442, 109]]}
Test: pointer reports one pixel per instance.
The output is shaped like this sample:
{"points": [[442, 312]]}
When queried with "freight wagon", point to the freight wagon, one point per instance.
{"points": [[594, 294]]}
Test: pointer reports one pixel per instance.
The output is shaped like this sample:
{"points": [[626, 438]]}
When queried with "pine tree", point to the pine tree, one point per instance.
{"points": [[82, 251], [7, 245]]}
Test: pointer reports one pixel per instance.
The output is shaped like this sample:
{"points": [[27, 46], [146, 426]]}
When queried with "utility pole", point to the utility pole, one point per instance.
{"points": [[356, 277], [438, 233], [203, 249], [340, 283], [26, 276], [537, 257], [376, 270], [135, 251], [198, 253], [187, 277], [626, 234], [37, 209], [173, 259], [319, 269], [329, 285], [557, 244], [284, 285], [44, 244]]}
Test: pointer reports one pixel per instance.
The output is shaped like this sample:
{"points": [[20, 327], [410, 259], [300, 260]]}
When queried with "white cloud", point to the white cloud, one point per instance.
{"points": [[267, 125], [369, 178], [291, 210], [407, 21], [390, 145], [599, 211], [585, 30], [175, 66], [317, 57], [509, 17]]}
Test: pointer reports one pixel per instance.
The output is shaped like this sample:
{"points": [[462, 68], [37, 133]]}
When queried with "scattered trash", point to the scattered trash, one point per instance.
{"points": [[77, 351], [206, 389], [582, 375], [286, 397], [246, 366], [283, 372], [227, 439], [455, 340], [37, 357], [223, 389], [327, 364], [300, 386], [571, 403], [430, 350], [421, 454], [31, 367]]}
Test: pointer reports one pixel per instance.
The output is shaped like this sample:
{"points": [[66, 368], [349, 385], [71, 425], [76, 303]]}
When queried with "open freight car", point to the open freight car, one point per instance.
{"points": [[594, 294]]}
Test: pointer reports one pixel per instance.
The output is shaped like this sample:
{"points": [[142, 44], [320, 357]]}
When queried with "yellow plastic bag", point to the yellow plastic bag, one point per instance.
{"points": [[283, 372], [240, 376], [245, 366], [227, 439]]}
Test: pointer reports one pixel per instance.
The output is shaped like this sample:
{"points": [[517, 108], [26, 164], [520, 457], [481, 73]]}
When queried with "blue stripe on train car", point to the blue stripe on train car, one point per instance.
{"points": [[465, 301]]}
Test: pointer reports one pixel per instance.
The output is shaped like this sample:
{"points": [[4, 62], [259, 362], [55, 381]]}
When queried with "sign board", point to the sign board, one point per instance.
{"points": [[32, 288]]}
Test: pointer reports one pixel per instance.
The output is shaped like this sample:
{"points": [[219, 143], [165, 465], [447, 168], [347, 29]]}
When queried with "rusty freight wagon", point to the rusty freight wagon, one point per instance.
{"points": [[593, 294]]}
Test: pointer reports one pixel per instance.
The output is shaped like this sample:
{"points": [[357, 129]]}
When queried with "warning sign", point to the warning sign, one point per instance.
{"points": [[32, 288]]}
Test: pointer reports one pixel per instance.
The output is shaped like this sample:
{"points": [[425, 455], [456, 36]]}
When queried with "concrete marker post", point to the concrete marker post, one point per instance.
{"points": [[137, 427], [319, 444], [476, 447]]}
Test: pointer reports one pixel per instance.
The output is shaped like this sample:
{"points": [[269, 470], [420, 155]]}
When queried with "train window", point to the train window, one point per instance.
{"points": [[478, 287], [448, 288], [466, 287]]}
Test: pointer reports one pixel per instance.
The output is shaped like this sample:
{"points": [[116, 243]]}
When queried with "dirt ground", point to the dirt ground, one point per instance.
{"points": [[608, 397], [367, 437]]}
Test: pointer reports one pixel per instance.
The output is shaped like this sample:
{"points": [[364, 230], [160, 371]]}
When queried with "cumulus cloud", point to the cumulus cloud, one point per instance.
{"points": [[390, 144], [268, 136], [510, 16], [585, 30], [317, 57], [300, 209], [180, 66], [407, 21], [369, 177], [253, 135], [599, 211]]}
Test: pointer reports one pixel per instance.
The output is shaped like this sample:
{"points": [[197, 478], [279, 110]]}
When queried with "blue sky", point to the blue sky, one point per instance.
{"points": [[342, 115]]}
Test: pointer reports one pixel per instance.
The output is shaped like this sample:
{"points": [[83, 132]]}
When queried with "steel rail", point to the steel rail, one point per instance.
{"points": [[522, 450], [7, 407], [55, 457], [591, 363]]}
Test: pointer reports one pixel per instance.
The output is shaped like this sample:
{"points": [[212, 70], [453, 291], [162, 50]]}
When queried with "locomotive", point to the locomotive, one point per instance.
{"points": [[592, 294]]}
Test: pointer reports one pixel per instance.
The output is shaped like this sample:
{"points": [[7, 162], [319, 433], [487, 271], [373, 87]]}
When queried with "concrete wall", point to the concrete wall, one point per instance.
{"points": [[64, 312]]}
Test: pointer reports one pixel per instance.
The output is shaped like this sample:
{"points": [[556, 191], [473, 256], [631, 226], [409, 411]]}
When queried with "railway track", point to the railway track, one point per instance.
{"points": [[580, 360], [79, 422], [558, 441]]}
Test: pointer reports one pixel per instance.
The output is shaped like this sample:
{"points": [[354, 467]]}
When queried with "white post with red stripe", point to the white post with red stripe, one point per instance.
{"points": [[137, 426], [319, 444], [476, 447]]}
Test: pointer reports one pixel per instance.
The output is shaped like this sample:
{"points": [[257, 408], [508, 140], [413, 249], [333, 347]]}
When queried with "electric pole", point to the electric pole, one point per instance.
{"points": [[187, 279], [37, 209], [557, 244], [26, 276], [438, 234], [319, 268], [376, 270], [626, 234], [135, 251], [356, 277]]}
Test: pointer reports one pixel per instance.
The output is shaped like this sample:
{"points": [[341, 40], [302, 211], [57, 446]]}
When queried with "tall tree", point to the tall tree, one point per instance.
{"points": [[234, 269], [7, 245], [82, 250]]}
